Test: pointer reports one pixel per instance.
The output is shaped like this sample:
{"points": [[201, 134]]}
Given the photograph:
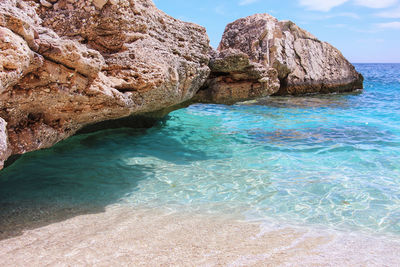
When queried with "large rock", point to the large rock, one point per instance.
{"points": [[235, 77], [304, 63], [66, 64]]}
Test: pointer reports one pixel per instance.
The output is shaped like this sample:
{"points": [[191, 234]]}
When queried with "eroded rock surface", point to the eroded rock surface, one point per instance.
{"points": [[304, 63], [66, 64], [235, 77], [4, 146]]}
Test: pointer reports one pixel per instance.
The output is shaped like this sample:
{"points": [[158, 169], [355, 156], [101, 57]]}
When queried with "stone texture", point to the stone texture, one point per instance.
{"points": [[99, 3], [235, 77], [4, 145], [16, 59], [73, 63], [304, 63], [66, 64], [45, 3]]}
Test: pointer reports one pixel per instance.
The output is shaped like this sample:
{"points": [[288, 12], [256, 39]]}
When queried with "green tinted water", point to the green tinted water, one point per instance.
{"points": [[331, 160]]}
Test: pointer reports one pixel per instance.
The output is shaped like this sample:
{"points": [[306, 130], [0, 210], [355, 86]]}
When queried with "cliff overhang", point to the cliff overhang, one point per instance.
{"points": [[66, 65]]}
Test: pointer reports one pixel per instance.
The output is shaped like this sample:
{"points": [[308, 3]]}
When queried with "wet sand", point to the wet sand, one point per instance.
{"points": [[129, 237]]}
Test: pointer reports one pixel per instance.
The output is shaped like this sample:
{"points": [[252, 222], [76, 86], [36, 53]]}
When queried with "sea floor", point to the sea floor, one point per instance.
{"points": [[292, 181], [123, 236]]}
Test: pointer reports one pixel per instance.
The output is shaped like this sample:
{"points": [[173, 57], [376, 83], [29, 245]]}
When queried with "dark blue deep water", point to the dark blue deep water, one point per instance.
{"points": [[330, 160]]}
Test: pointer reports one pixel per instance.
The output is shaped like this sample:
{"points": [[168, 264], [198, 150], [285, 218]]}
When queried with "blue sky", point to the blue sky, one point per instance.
{"points": [[364, 30]]}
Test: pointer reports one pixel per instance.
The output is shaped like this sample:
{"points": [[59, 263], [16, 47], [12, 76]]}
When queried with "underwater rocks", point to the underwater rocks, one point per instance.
{"points": [[303, 63], [67, 64]]}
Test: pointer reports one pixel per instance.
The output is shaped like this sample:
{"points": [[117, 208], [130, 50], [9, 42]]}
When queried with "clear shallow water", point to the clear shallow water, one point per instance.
{"points": [[331, 160]]}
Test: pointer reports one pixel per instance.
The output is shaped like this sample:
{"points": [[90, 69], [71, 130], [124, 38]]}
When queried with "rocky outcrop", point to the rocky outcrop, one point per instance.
{"points": [[66, 64], [303, 63], [235, 77]]}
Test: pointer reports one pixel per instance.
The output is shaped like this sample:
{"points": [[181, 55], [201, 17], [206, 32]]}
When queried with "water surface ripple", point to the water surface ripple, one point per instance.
{"points": [[332, 160]]}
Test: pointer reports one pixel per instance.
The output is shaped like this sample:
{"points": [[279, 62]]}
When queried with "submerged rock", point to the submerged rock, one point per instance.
{"points": [[303, 63], [66, 64]]}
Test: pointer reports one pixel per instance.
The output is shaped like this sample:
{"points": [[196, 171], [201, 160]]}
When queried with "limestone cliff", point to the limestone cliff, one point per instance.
{"points": [[303, 63], [65, 64]]}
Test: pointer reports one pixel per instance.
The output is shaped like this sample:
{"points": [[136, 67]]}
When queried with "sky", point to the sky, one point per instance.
{"points": [[366, 31]]}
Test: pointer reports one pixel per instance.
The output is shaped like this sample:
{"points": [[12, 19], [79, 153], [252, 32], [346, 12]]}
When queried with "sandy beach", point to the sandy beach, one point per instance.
{"points": [[129, 237]]}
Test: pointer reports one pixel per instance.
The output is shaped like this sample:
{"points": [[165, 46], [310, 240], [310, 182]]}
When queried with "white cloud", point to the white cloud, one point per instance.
{"points": [[247, 2], [344, 14], [327, 5], [390, 25], [339, 25], [326, 16], [322, 5], [371, 40], [394, 13], [376, 3]]}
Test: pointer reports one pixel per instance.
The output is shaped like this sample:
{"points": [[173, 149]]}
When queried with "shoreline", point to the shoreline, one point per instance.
{"points": [[124, 235]]}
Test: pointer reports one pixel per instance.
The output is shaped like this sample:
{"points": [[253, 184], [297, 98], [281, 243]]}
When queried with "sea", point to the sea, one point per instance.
{"points": [[311, 180]]}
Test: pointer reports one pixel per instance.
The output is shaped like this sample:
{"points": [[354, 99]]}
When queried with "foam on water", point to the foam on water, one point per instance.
{"points": [[318, 160]]}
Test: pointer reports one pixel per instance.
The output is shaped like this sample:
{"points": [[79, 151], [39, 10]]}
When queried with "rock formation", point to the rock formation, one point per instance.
{"points": [[235, 77], [303, 63], [66, 64]]}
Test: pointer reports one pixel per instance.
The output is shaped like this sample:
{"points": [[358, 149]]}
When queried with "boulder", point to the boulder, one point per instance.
{"points": [[235, 78], [67, 64], [304, 64]]}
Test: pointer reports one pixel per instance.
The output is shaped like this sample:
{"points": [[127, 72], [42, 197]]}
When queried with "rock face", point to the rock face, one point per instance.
{"points": [[66, 64], [235, 77], [4, 146], [303, 63]]}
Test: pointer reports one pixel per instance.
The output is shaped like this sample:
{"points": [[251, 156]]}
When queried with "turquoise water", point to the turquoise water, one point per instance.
{"points": [[332, 160]]}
